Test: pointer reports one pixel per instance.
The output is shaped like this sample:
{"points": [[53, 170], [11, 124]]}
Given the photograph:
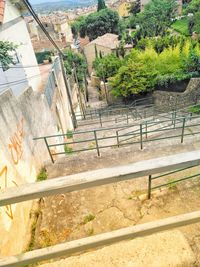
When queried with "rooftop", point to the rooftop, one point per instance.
{"points": [[2, 8], [107, 40]]}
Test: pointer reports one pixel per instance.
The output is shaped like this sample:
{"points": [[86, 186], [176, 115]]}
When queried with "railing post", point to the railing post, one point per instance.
{"points": [[100, 119], [141, 141], [174, 119], [127, 117], [117, 135], [183, 128], [146, 129], [97, 146], [45, 140], [149, 187]]}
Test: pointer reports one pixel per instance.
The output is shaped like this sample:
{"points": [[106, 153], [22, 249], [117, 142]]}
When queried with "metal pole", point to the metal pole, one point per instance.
{"points": [[149, 187], [146, 129], [79, 92], [86, 88], [45, 139], [74, 121], [100, 119], [117, 138], [141, 141], [97, 146], [183, 128], [174, 119]]}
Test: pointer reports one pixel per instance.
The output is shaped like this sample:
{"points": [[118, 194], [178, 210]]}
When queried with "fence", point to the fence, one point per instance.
{"points": [[147, 131], [92, 179]]}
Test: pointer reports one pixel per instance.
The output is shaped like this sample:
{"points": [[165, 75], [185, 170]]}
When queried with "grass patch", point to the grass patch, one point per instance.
{"points": [[173, 184], [181, 26], [88, 218], [195, 109], [68, 150], [69, 134], [42, 175]]}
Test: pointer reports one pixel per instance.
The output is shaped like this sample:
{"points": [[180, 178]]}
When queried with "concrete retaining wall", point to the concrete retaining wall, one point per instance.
{"points": [[20, 159], [168, 100]]}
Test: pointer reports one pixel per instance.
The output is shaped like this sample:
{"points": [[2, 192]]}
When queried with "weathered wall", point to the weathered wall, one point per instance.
{"points": [[20, 159], [168, 100]]}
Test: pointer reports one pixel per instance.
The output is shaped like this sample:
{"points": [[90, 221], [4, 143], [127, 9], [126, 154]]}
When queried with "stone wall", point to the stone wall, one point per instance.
{"points": [[21, 158], [169, 100]]}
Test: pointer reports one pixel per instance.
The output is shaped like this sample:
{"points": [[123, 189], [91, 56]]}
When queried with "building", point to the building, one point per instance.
{"points": [[13, 28], [58, 27], [122, 7], [105, 44]]}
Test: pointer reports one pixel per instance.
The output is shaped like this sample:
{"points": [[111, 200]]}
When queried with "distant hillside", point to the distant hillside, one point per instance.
{"points": [[60, 5]]}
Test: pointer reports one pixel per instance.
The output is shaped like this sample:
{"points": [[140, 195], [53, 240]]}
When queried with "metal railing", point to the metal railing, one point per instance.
{"points": [[61, 185], [147, 131], [115, 109]]}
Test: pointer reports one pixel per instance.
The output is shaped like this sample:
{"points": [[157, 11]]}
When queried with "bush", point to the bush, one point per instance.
{"points": [[40, 56], [42, 175]]}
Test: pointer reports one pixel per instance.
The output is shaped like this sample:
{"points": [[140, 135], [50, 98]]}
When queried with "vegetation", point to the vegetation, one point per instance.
{"points": [[135, 7], [156, 17], [76, 60], [42, 175], [40, 56], [68, 149], [6, 49], [69, 134], [107, 66], [144, 70], [181, 26], [96, 24], [88, 218], [101, 5], [195, 109]]}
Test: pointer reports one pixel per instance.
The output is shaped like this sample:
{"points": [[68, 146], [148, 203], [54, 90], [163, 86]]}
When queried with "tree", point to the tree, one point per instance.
{"points": [[76, 60], [135, 7], [107, 66], [193, 6], [131, 79], [101, 5], [98, 23], [6, 48], [156, 17]]}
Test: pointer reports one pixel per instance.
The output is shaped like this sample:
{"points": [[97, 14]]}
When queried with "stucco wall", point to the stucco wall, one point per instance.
{"points": [[169, 100], [20, 159], [89, 51], [14, 30]]}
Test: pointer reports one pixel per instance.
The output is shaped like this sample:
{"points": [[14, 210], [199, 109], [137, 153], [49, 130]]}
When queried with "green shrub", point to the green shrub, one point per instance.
{"points": [[68, 150], [88, 218], [40, 56], [195, 109], [42, 175], [69, 134]]}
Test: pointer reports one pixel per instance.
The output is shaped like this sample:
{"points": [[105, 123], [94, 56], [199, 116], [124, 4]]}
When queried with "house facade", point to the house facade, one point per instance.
{"points": [[24, 71]]}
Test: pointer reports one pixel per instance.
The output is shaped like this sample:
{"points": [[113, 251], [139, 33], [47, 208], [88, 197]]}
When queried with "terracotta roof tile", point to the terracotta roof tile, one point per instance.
{"points": [[2, 8]]}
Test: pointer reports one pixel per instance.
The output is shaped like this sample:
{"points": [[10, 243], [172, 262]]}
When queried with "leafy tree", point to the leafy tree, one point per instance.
{"points": [[143, 70], [193, 6], [97, 24], [5, 53], [156, 17], [101, 5], [107, 66], [131, 79], [135, 7], [76, 60], [196, 27]]}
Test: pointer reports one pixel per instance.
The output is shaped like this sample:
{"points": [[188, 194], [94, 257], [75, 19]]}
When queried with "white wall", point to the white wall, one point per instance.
{"points": [[18, 34]]}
